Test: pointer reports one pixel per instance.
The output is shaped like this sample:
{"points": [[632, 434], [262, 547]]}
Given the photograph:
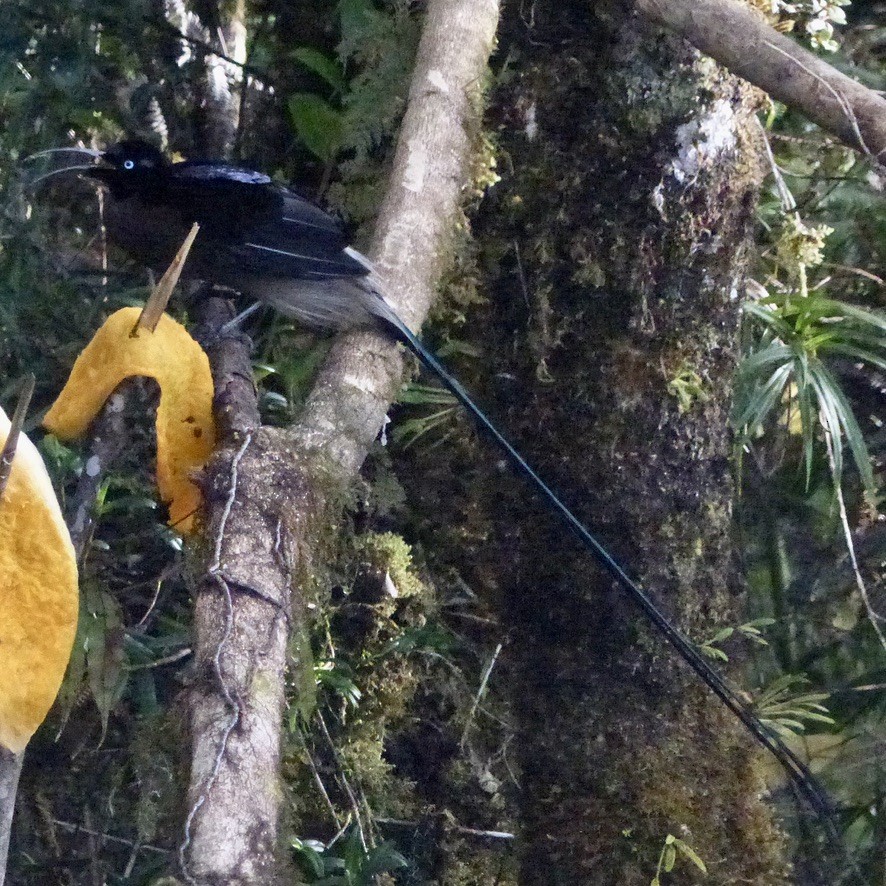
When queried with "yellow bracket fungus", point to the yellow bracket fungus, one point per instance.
{"points": [[38, 595], [185, 427]]}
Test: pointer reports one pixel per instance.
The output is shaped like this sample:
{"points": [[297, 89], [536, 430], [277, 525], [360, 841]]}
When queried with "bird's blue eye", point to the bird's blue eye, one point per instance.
{"points": [[129, 164]]}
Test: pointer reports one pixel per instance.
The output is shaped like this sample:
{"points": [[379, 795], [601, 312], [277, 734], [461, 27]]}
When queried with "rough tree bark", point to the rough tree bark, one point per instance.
{"points": [[268, 493], [240, 653], [632, 205], [221, 95], [10, 769]]}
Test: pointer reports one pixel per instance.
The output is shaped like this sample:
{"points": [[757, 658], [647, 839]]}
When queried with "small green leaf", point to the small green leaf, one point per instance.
{"points": [[321, 65], [319, 126], [784, 727], [354, 854], [761, 623], [669, 859], [847, 614], [427, 638], [854, 436], [713, 652], [106, 672], [721, 635], [756, 404], [336, 676], [775, 353], [426, 395], [688, 852], [857, 353], [380, 860], [310, 859], [834, 307]]}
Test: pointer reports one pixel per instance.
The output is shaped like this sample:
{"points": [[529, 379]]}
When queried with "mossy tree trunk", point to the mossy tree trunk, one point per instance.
{"points": [[627, 212]]}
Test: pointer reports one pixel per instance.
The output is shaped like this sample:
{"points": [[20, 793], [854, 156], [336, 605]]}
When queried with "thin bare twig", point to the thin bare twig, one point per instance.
{"points": [[161, 662], [858, 272], [459, 829], [874, 617], [143, 620], [320, 786], [81, 829], [160, 295], [788, 203], [484, 680], [838, 97], [352, 797], [7, 454]]}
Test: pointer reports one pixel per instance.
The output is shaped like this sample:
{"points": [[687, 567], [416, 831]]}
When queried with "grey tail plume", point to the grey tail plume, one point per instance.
{"points": [[803, 780]]}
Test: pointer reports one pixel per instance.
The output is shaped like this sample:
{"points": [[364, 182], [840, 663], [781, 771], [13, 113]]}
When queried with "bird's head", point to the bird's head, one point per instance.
{"points": [[127, 160], [134, 155]]}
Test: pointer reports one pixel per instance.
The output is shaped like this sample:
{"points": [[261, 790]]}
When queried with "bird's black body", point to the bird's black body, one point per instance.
{"points": [[249, 226], [256, 236], [265, 241]]}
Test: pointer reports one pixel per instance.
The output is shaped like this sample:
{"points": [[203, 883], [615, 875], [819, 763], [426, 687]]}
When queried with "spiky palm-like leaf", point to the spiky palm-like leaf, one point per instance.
{"points": [[798, 334]]}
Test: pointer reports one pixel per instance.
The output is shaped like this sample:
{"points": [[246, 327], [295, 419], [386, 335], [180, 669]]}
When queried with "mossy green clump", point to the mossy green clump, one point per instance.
{"points": [[157, 765], [688, 388], [698, 813], [470, 868], [365, 685], [388, 552]]}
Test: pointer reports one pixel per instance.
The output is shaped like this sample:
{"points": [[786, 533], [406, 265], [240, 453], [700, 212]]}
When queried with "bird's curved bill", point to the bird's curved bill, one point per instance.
{"points": [[90, 151], [71, 167]]}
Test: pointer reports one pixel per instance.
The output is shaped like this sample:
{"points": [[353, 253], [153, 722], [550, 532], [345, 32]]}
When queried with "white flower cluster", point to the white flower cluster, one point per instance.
{"points": [[818, 18]]}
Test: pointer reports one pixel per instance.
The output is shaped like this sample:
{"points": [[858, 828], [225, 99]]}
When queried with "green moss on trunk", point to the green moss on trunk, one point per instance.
{"points": [[630, 177]]}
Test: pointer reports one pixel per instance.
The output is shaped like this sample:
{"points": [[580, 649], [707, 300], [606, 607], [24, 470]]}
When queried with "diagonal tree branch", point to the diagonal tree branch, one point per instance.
{"points": [[417, 220], [738, 37], [266, 496]]}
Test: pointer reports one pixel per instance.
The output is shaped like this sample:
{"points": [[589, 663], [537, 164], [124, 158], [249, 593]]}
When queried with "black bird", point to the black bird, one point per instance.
{"points": [[256, 237], [264, 241]]}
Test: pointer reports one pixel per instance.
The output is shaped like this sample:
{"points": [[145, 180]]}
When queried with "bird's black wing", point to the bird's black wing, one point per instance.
{"points": [[302, 242], [258, 228]]}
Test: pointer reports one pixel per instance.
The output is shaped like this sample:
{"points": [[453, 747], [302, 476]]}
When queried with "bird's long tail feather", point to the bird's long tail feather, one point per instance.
{"points": [[804, 781]]}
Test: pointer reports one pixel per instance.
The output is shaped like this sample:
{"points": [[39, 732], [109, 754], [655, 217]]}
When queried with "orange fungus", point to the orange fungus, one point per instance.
{"points": [[38, 595], [185, 427]]}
